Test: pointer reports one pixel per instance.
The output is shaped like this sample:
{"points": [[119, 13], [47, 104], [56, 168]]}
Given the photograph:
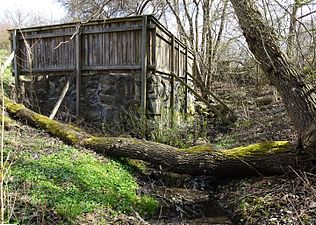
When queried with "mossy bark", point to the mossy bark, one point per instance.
{"points": [[264, 158]]}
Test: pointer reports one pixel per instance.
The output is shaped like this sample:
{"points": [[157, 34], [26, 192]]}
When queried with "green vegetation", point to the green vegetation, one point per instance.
{"points": [[71, 182], [225, 142], [162, 129], [8, 78]]}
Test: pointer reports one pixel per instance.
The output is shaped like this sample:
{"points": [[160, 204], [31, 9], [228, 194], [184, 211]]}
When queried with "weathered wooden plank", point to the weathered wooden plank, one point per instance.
{"points": [[60, 99], [167, 38], [78, 73], [84, 40], [16, 68], [154, 60], [113, 67], [186, 81], [94, 45], [90, 50], [101, 53], [113, 29], [93, 31], [48, 70], [144, 63], [46, 35], [74, 24], [123, 48], [106, 49], [111, 49], [172, 97], [179, 63]]}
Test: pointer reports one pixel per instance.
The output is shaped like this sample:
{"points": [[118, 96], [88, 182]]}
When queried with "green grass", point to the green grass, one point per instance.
{"points": [[71, 183]]}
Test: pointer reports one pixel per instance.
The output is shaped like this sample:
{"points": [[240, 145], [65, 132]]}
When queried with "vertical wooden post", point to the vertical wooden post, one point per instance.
{"points": [[179, 55], [78, 73], [172, 97], [16, 71], [186, 80], [154, 34], [144, 64]]}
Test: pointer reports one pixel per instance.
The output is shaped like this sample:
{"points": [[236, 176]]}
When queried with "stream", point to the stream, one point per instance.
{"points": [[184, 199]]}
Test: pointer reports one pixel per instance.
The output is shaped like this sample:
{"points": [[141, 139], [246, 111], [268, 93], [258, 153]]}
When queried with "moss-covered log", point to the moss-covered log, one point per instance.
{"points": [[264, 158]]}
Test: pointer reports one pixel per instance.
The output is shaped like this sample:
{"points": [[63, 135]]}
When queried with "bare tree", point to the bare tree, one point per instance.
{"points": [[18, 18], [202, 24], [83, 9]]}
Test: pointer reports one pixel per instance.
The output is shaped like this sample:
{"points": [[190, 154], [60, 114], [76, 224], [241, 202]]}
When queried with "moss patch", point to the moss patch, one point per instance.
{"points": [[269, 147], [199, 149], [62, 131], [13, 107]]}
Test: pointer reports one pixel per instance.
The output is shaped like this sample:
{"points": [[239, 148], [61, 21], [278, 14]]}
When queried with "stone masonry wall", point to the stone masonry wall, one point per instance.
{"points": [[104, 96]]}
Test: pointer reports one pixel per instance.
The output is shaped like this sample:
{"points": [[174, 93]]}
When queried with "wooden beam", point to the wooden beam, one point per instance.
{"points": [[172, 97], [144, 64], [15, 62], [154, 50], [78, 73], [113, 67], [75, 24], [85, 68], [86, 32], [48, 70], [113, 29], [186, 81], [60, 99]]}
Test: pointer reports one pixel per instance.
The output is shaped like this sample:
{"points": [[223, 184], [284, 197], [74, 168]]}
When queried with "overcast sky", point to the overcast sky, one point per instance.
{"points": [[49, 8]]}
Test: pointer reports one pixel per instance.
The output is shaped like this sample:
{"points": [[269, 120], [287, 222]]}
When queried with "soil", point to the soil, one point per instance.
{"points": [[287, 199]]}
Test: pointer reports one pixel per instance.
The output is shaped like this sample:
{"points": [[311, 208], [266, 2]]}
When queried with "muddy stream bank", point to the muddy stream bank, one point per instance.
{"points": [[183, 199]]}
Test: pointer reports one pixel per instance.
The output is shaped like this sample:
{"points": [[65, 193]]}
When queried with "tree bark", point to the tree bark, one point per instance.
{"points": [[298, 97], [259, 159]]}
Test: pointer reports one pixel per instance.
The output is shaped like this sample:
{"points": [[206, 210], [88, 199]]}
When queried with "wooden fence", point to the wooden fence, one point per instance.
{"points": [[127, 44]]}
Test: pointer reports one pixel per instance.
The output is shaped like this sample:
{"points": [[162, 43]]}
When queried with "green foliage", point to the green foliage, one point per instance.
{"points": [[225, 143], [167, 129], [253, 207], [8, 78], [73, 183]]}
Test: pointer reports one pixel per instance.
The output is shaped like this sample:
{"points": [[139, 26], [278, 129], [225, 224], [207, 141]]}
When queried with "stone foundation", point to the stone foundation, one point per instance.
{"points": [[104, 96]]}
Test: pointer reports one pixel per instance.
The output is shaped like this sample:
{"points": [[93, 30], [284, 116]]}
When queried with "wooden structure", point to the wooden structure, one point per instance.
{"points": [[137, 45]]}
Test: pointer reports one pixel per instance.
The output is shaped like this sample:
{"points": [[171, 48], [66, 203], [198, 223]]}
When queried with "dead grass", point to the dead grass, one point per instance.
{"points": [[288, 199]]}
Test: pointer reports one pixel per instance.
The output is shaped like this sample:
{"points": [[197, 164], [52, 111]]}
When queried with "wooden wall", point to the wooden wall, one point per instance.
{"points": [[127, 44], [104, 45]]}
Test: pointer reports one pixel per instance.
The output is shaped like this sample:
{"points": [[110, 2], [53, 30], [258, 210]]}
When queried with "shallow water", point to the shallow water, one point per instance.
{"points": [[188, 202]]}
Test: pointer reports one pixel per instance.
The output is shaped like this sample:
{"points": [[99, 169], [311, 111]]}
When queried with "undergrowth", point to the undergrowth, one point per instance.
{"points": [[59, 181], [172, 130]]}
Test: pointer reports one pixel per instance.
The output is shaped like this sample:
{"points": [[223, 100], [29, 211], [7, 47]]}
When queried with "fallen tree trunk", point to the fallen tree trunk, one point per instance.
{"points": [[259, 159]]}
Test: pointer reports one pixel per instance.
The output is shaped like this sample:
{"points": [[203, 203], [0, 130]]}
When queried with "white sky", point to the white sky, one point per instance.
{"points": [[50, 8]]}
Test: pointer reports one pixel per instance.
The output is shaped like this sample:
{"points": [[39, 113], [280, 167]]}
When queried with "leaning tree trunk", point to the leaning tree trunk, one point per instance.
{"points": [[258, 159], [298, 97]]}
